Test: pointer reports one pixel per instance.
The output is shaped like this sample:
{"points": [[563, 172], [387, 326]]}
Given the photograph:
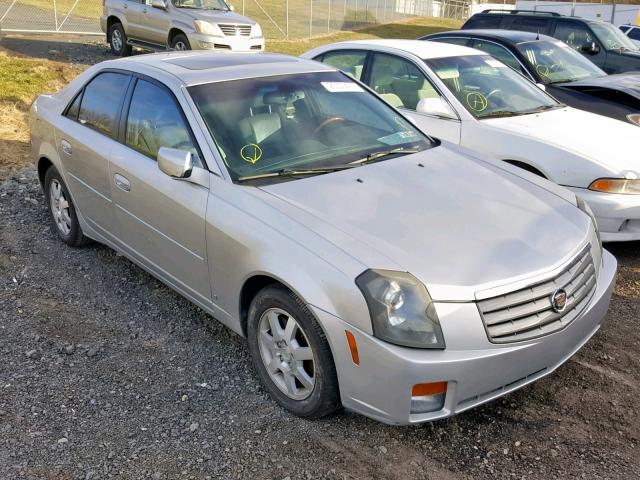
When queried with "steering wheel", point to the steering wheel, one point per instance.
{"points": [[495, 101], [327, 122]]}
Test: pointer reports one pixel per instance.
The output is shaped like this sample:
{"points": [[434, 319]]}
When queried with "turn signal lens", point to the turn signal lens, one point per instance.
{"points": [[428, 397], [634, 118], [617, 185], [353, 347]]}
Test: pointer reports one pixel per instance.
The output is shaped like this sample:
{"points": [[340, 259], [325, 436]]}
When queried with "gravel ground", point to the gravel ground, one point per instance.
{"points": [[107, 373]]}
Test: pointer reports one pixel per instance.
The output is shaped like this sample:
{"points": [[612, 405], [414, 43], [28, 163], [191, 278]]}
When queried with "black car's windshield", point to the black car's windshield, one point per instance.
{"points": [[556, 62], [487, 88], [298, 124], [611, 37], [201, 4]]}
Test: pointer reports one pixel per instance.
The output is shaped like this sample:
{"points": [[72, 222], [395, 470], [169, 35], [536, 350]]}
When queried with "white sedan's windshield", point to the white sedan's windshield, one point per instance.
{"points": [[488, 88], [307, 121], [556, 62]]}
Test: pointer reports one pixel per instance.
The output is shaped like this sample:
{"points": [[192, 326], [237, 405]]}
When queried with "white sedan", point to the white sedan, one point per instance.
{"points": [[467, 97]]}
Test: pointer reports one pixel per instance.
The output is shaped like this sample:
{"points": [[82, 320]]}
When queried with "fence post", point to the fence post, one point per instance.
{"points": [[55, 14], [310, 18], [329, 18], [286, 18], [242, 7]]}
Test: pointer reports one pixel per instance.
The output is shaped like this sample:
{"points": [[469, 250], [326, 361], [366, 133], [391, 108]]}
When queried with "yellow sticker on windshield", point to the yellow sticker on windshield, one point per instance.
{"points": [[476, 101], [251, 153]]}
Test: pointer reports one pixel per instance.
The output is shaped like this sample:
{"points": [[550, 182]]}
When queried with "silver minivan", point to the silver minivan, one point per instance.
{"points": [[178, 25]]}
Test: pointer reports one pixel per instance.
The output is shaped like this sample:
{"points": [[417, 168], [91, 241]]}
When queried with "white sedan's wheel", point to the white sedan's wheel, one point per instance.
{"points": [[59, 208]]}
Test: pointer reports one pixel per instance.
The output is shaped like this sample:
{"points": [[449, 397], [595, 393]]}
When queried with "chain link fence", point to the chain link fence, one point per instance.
{"points": [[280, 19]]}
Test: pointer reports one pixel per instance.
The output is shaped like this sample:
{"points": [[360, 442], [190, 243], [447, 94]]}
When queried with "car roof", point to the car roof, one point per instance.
{"points": [[512, 36], [196, 67], [537, 14], [420, 48]]}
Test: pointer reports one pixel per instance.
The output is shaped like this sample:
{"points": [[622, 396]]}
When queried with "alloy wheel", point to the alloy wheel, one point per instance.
{"points": [[286, 353], [59, 207], [180, 46], [116, 40]]}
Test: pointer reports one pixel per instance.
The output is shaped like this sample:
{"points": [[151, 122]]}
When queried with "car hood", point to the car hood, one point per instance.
{"points": [[458, 224], [624, 82], [217, 16], [611, 143]]}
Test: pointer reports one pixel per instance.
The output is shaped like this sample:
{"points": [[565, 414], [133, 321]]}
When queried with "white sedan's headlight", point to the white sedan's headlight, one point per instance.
{"points": [[623, 186], [256, 30], [207, 28], [401, 309]]}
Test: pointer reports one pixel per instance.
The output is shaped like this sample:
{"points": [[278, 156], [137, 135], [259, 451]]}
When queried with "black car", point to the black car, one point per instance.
{"points": [[565, 74], [601, 42]]}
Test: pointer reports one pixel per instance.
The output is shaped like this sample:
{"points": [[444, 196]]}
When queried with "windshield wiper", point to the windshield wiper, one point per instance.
{"points": [[511, 113], [295, 172], [372, 157]]}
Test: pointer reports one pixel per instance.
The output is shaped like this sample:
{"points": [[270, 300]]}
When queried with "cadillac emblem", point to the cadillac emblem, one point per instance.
{"points": [[559, 300]]}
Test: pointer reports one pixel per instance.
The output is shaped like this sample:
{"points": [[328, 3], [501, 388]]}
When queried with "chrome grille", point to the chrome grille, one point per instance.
{"points": [[234, 30], [528, 313]]}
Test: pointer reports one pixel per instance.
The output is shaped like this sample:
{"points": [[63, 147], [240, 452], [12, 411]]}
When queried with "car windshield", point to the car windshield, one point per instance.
{"points": [[556, 62], [611, 37], [301, 123], [201, 4], [488, 88]]}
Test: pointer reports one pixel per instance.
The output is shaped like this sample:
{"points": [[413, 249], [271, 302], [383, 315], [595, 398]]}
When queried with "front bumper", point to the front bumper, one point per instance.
{"points": [[618, 216], [476, 370], [199, 41]]}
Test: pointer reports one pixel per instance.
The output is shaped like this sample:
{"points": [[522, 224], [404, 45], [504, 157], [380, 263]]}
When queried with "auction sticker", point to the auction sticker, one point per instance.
{"points": [[340, 87]]}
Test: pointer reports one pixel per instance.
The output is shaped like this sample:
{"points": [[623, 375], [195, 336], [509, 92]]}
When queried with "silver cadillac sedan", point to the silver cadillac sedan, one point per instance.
{"points": [[368, 265]]}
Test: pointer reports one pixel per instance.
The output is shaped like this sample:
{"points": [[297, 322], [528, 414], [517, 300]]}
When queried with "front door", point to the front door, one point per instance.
{"points": [[160, 220], [155, 23], [86, 134], [403, 84], [580, 37]]}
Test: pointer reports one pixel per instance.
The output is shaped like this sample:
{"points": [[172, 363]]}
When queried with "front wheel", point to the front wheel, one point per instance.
{"points": [[291, 354], [180, 42]]}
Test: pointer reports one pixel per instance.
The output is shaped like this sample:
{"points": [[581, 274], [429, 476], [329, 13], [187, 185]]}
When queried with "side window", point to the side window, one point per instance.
{"points": [[574, 34], [530, 24], [101, 102], [634, 34], [499, 52], [399, 81], [154, 121], [484, 21], [453, 40], [624, 28], [74, 108], [350, 62]]}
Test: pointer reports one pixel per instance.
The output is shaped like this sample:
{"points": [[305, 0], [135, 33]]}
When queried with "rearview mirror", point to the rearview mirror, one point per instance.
{"points": [[591, 48], [175, 163], [436, 107], [159, 4]]}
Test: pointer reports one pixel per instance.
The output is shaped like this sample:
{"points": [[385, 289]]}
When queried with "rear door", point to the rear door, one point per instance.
{"points": [[160, 220], [86, 134]]}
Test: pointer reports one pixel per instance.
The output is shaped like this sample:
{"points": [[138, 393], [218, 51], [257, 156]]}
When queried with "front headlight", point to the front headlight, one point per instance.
{"points": [[634, 118], [401, 309], [622, 186], [207, 28], [256, 30], [584, 206]]}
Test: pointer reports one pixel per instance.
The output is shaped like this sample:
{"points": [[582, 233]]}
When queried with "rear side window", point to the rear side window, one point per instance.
{"points": [[74, 108], [634, 34], [484, 21], [625, 29], [453, 40], [349, 61], [499, 52], [101, 102], [529, 24]]}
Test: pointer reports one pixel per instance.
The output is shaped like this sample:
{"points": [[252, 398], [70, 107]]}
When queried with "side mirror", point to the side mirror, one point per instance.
{"points": [[591, 48], [541, 86], [175, 163], [436, 107], [159, 4]]}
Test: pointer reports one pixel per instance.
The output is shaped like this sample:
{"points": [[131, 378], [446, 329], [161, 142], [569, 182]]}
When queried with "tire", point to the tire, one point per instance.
{"points": [[277, 304], [118, 40], [61, 209], [180, 42]]}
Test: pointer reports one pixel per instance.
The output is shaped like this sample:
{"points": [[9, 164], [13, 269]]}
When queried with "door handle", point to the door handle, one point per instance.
{"points": [[66, 147], [122, 182]]}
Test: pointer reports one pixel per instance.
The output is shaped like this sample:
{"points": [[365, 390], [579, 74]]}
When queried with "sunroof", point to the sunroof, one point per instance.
{"points": [[218, 60]]}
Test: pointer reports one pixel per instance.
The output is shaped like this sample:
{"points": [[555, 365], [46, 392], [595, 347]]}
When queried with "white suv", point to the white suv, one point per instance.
{"points": [[632, 32], [178, 25]]}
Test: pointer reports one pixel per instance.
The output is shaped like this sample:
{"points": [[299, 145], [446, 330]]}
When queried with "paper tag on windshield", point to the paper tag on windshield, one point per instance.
{"points": [[338, 87], [495, 63]]}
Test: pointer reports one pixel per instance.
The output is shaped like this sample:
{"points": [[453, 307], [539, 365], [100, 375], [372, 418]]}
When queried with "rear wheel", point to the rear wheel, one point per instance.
{"points": [[180, 42], [118, 40], [291, 354], [63, 212]]}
